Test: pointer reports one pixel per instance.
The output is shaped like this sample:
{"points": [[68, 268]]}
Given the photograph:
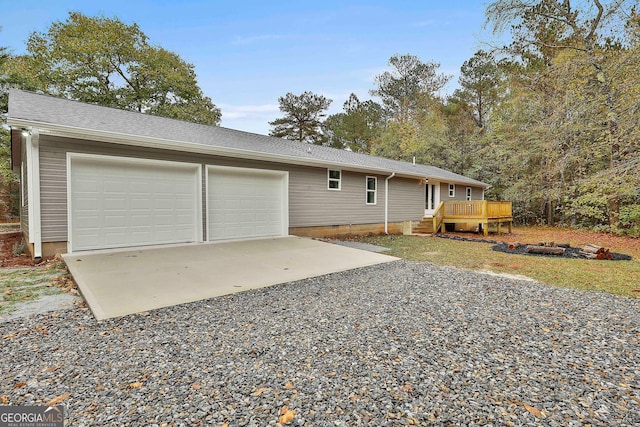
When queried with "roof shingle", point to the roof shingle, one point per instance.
{"points": [[44, 109]]}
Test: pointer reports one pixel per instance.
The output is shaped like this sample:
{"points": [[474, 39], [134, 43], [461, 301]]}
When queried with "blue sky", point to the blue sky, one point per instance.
{"points": [[248, 53]]}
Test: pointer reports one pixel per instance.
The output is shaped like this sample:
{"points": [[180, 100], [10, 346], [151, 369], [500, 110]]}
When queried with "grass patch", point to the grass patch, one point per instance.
{"points": [[23, 284], [615, 277]]}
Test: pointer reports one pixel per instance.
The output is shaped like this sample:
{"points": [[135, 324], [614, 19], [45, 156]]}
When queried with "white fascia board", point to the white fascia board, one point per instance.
{"points": [[152, 142], [460, 182]]}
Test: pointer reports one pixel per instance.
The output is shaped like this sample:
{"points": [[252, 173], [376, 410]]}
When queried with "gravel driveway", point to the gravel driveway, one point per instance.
{"points": [[396, 344]]}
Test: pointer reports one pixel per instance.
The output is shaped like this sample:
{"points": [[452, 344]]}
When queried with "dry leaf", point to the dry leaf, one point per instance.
{"points": [[137, 384], [19, 385], [289, 386], [533, 410], [286, 415], [259, 391], [99, 387], [4, 400], [10, 337], [407, 387], [546, 329], [196, 386], [57, 400]]}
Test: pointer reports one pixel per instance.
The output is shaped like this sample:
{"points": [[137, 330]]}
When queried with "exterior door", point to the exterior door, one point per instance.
{"points": [[432, 197]]}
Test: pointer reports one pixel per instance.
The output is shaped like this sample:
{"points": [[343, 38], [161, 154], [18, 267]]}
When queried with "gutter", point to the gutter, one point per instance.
{"points": [[386, 202]]}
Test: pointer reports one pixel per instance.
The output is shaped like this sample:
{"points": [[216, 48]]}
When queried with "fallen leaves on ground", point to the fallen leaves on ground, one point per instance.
{"points": [[286, 415], [57, 400], [259, 391]]}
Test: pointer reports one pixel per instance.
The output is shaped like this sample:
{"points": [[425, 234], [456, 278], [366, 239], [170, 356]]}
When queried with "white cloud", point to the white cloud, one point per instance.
{"points": [[248, 111], [426, 23]]}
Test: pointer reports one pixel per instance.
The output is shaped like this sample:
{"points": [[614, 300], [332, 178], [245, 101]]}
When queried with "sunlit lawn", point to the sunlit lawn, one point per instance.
{"points": [[616, 277]]}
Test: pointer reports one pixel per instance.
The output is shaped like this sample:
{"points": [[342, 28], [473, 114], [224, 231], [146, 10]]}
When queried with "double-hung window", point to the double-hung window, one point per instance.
{"points": [[452, 190], [334, 179], [372, 190], [468, 193]]}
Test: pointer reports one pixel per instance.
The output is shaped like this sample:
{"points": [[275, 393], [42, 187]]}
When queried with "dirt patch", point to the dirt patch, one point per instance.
{"points": [[10, 256]]}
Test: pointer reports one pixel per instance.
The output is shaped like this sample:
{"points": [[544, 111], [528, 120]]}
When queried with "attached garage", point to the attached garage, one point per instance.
{"points": [[246, 203], [116, 202]]}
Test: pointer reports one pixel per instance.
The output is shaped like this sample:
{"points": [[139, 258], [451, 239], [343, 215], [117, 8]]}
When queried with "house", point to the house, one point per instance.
{"points": [[95, 177]]}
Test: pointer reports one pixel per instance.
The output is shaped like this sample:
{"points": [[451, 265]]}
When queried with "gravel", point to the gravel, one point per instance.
{"points": [[396, 344]]}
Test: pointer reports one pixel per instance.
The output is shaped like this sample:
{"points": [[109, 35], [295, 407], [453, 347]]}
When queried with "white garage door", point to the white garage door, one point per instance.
{"points": [[245, 203], [119, 202]]}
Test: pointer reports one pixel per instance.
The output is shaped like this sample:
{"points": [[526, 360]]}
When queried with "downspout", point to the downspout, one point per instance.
{"points": [[386, 202]]}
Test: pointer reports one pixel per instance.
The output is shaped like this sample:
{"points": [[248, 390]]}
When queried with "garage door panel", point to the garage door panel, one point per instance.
{"points": [[116, 203], [245, 203]]}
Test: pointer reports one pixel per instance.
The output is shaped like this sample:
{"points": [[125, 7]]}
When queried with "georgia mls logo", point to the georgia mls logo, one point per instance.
{"points": [[32, 416]]}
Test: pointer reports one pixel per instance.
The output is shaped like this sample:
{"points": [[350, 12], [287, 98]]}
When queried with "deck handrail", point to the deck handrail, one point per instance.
{"points": [[438, 217]]}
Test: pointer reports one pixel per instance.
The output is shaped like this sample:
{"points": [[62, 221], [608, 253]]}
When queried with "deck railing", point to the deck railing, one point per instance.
{"points": [[477, 209], [483, 211]]}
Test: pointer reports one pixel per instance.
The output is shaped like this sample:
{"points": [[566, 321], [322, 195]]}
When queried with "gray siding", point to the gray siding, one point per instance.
{"points": [[406, 199], [461, 192], [310, 202]]}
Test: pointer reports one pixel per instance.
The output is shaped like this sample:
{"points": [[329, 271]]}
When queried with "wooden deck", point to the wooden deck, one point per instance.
{"points": [[482, 212]]}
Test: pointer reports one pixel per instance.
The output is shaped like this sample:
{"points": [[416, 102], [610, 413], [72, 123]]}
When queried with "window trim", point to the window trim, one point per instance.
{"points": [[452, 190], [468, 194], [330, 180], [374, 191]]}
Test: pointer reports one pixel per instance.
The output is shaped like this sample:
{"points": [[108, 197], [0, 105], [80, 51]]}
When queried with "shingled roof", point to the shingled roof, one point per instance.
{"points": [[88, 121]]}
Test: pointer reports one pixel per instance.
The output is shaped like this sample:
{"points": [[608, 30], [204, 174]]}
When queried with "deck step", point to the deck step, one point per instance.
{"points": [[424, 227]]}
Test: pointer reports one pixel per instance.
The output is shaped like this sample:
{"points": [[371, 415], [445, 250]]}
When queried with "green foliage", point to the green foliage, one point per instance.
{"points": [[8, 180], [105, 61], [358, 127], [403, 89], [630, 220], [303, 118], [567, 122], [479, 80]]}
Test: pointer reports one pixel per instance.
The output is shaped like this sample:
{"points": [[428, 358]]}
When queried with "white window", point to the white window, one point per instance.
{"points": [[334, 178], [452, 190], [468, 193], [372, 189]]}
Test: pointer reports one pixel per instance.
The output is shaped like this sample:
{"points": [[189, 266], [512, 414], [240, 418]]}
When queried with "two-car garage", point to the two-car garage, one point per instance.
{"points": [[116, 202]]}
